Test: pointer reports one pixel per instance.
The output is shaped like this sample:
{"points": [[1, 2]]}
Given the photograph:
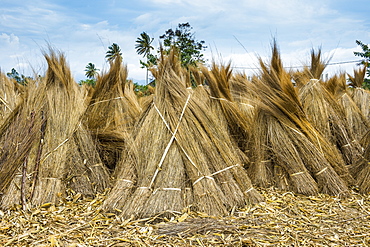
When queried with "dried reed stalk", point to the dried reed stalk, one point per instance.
{"points": [[313, 70], [112, 112], [54, 147], [10, 97], [185, 157], [361, 169], [328, 116], [124, 177], [17, 140], [224, 106], [63, 107], [89, 175], [279, 100], [361, 97]]}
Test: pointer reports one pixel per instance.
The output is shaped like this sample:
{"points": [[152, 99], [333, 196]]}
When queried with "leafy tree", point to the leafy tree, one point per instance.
{"points": [[142, 90], [113, 51], [365, 54], [90, 82], [21, 79], [14, 75], [143, 47], [183, 39], [91, 71]]}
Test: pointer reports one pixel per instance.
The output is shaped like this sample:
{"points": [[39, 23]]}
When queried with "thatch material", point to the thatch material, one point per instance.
{"points": [[357, 80], [49, 146], [286, 219], [18, 134], [112, 111], [338, 87], [9, 96], [328, 116], [184, 157], [357, 122], [312, 71], [283, 133], [361, 169], [224, 106], [361, 97]]}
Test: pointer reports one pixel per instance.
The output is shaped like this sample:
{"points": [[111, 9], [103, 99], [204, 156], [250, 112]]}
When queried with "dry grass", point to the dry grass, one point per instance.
{"points": [[284, 219], [283, 137], [45, 144], [185, 162]]}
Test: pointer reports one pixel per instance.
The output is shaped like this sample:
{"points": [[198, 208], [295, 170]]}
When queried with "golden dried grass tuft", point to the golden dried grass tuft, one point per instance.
{"points": [[112, 111], [284, 134], [187, 159], [49, 145], [328, 116], [361, 169], [10, 96]]}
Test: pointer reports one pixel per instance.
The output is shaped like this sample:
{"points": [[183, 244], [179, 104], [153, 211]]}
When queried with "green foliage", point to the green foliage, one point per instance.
{"points": [[113, 51], [150, 61], [143, 44], [365, 54], [143, 47], [91, 71], [183, 39], [21, 79], [90, 82], [14, 75], [141, 90]]}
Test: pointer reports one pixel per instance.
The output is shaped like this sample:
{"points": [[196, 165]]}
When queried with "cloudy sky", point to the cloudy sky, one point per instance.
{"points": [[235, 31]]}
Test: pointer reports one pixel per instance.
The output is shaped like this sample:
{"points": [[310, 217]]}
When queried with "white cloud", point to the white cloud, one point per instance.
{"points": [[8, 39], [84, 37]]}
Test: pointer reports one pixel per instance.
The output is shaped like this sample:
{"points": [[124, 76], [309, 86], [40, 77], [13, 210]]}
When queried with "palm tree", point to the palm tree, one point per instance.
{"points": [[91, 71], [113, 51], [143, 47]]}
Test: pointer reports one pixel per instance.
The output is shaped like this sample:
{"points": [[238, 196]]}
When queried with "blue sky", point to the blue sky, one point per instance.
{"points": [[235, 31]]}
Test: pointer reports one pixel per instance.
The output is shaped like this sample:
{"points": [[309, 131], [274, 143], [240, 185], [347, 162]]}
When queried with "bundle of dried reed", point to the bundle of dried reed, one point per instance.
{"points": [[19, 133], [284, 134], [48, 145], [357, 80], [186, 159], [361, 169], [222, 102], [68, 154], [314, 70], [361, 97], [112, 111], [329, 117], [356, 119], [10, 97]]}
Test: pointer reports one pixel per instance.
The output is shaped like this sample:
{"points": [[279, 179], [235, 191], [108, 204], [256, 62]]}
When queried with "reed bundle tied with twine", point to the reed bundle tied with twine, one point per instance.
{"points": [[241, 89], [313, 70], [10, 96], [55, 145], [283, 133], [112, 112], [238, 122], [354, 108], [361, 168], [186, 158], [18, 133], [329, 117], [360, 96]]}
